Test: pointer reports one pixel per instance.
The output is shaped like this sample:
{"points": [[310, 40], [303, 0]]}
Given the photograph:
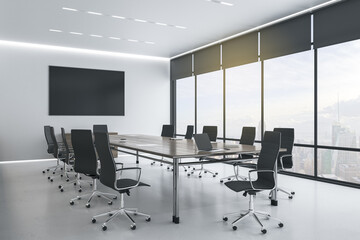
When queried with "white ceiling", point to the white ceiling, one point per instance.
{"points": [[30, 20]]}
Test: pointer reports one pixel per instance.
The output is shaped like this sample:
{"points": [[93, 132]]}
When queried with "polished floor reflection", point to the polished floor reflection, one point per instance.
{"points": [[33, 208]]}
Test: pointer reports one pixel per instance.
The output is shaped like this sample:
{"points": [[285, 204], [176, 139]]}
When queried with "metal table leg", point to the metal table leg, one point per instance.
{"points": [[176, 218], [274, 201]]}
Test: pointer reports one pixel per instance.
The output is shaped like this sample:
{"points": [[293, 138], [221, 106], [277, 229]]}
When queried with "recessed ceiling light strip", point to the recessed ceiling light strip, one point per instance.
{"points": [[101, 36], [124, 18], [221, 2]]}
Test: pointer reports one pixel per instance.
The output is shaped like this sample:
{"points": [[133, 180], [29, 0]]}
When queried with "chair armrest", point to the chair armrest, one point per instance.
{"points": [[251, 182], [128, 169], [281, 160]]}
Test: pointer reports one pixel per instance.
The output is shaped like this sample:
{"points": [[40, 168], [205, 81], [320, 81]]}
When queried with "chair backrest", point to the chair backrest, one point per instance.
{"points": [[211, 131], [270, 147], [189, 132], [248, 135], [67, 150], [84, 151], [49, 141], [287, 141], [54, 141], [108, 167], [100, 128], [168, 131]]}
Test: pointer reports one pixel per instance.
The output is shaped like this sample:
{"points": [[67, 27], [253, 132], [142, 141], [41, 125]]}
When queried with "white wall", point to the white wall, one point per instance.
{"points": [[24, 97]]}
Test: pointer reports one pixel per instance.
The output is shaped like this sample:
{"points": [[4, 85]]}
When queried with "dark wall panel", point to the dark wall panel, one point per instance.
{"points": [[286, 38], [181, 67], [240, 50], [337, 24], [207, 60]]}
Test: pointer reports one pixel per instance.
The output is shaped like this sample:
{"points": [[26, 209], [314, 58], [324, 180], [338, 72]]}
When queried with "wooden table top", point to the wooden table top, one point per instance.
{"points": [[183, 148]]}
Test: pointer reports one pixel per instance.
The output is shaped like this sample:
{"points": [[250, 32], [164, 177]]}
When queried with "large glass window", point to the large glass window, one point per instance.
{"points": [[289, 94], [210, 101], [339, 95], [339, 165], [289, 102], [243, 99], [185, 103]]}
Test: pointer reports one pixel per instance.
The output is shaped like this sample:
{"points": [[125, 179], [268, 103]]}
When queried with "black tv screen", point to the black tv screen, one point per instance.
{"points": [[80, 91]]}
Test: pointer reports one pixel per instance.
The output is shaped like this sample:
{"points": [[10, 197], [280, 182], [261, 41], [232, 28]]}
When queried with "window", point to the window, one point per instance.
{"points": [[243, 99], [185, 103], [210, 101], [339, 95], [289, 94]]}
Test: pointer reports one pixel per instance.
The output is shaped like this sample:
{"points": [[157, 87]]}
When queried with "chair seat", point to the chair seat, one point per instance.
{"points": [[126, 182], [238, 186]]}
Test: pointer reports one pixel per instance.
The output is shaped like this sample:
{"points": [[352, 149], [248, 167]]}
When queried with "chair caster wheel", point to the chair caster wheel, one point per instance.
{"points": [[61, 190], [229, 179], [53, 172], [93, 220], [292, 193], [115, 197], [43, 171], [172, 170], [60, 186], [225, 219], [263, 231], [47, 170], [161, 164], [61, 175], [109, 203], [61, 168], [51, 180], [110, 214], [281, 225], [148, 219], [185, 170], [214, 175], [87, 205], [133, 227], [78, 198], [189, 167], [80, 178], [74, 183], [168, 168], [188, 174], [290, 197], [104, 227], [234, 228], [71, 202], [80, 190], [200, 176], [205, 171], [193, 168], [67, 180]]}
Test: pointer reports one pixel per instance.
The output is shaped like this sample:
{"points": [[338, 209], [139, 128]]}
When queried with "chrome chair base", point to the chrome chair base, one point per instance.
{"points": [[202, 170], [251, 212], [93, 193], [288, 193], [234, 177], [121, 211]]}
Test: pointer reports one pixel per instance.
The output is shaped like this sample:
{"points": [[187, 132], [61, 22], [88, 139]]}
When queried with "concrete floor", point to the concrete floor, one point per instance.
{"points": [[33, 208]]}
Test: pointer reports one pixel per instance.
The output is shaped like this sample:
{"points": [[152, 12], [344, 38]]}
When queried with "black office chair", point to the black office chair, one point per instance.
{"points": [[100, 128], [55, 150], [108, 177], [50, 148], [266, 180], [189, 132], [68, 154], [248, 138], [285, 158], [86, 163], [212, 133], [167, 131]]}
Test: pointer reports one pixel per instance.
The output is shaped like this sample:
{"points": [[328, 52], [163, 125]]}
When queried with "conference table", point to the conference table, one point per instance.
{"points": [[176, 150]]}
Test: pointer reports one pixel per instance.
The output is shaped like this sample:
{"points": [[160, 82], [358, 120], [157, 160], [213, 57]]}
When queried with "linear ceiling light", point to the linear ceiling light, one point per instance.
{"points": [[80, 50], [125, 18], [221, 2]]}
